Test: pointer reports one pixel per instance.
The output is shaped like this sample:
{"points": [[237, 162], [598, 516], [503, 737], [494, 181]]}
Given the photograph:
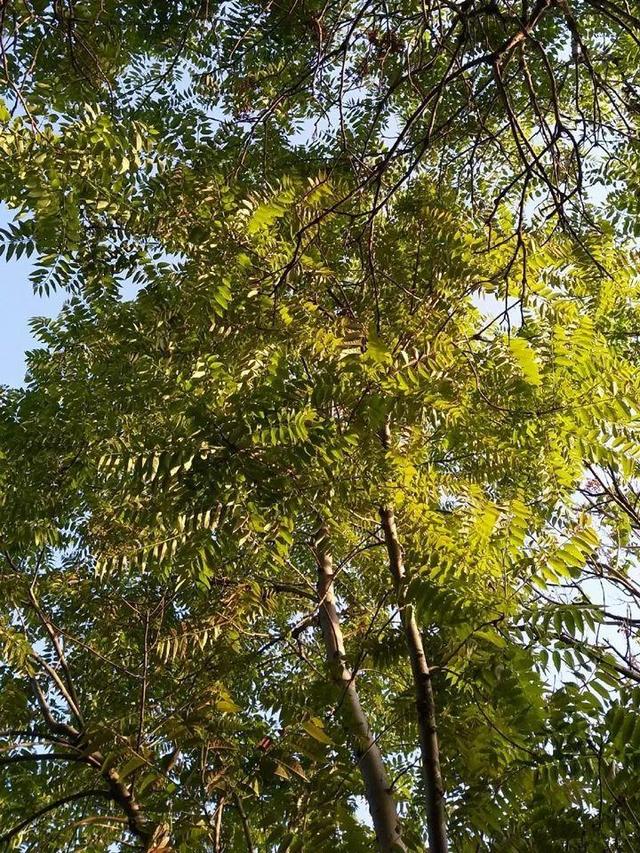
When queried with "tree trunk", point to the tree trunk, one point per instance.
{"points": [[425, 704], [379, 797]]}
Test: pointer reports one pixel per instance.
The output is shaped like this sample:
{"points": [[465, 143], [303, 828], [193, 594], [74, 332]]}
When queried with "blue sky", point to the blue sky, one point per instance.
{"points": [[18, 304]]}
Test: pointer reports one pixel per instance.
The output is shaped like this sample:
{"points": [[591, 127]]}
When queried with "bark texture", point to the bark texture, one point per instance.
{"points": [[378, 791], [425, 703]]}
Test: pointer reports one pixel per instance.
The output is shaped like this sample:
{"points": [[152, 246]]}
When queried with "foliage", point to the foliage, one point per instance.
{"points": [[320, 329]]}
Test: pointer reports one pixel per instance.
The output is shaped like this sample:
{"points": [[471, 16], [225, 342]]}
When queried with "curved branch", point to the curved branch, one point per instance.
{"points": [[71, 798]]}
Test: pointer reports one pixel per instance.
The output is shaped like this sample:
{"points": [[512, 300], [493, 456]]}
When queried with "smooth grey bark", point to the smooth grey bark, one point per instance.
{"points": [[378, 790], [425, 702]]}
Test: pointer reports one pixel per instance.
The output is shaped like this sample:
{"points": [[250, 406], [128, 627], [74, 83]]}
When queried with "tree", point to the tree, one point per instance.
{"points": [[313, 520]]}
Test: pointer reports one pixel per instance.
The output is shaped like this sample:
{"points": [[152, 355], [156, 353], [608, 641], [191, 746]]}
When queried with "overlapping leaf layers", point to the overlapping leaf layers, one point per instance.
{"points": [[312, 523]]}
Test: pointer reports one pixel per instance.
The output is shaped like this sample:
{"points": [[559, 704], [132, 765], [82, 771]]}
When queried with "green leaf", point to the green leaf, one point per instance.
{"points": [[316, 732], [525, 358]]}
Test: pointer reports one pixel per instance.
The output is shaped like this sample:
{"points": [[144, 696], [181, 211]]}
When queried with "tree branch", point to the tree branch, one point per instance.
{"points": [[71, 798], [378, 790]]}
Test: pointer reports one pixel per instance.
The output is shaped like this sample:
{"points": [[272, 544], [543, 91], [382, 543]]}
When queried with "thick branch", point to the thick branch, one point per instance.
{"points": [[425, 703], [152, 836], [378, 790]]}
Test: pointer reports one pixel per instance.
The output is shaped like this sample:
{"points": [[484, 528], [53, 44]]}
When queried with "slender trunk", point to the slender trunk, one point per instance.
{"points": [[425, 704], [246, 828], [378, 792]]}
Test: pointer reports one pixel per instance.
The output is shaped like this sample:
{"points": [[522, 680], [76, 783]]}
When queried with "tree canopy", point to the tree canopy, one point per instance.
{"points": [[319, 505]]}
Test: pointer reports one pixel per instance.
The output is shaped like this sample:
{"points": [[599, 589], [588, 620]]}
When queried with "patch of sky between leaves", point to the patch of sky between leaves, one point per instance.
{"points": [[19, 305]]}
